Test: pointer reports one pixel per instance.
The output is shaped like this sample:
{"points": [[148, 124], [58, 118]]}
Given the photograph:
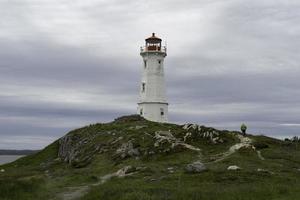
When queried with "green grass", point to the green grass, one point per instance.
{"points": [[206, 186], [24, 189], [43, 176]]}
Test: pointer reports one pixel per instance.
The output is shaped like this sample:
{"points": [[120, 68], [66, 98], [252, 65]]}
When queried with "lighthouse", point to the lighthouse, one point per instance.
{"points": [[153, 103]]}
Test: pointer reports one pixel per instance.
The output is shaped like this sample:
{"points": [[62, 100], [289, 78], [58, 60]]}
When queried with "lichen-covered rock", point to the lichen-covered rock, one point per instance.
{"points": [[166, 142], [187, 136], [164, 137], [195, 131], [195, 167], [127, 150], [78, 149]]}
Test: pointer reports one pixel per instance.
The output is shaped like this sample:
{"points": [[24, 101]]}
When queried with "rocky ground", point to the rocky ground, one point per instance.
{"points": [[132, 158]]}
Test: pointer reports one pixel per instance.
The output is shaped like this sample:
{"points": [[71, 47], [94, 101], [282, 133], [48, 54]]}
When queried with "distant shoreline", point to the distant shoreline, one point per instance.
{"points": [[17, 152]]}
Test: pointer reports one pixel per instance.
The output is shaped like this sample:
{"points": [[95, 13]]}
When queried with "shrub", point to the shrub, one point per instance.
{"points": [[260, 145]]}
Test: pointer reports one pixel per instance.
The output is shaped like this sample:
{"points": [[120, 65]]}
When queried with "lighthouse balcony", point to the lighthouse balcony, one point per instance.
{"points": [[153, 49]]}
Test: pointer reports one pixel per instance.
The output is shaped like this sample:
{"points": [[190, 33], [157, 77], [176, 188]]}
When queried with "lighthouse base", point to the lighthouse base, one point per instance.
{"points": [[154, 111]]}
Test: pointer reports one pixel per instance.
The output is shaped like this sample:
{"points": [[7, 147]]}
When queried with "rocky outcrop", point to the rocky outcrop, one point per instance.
{"points": [[195, 167], [165, 141], [164, 137], [195, 131], [127, 150], [133, 137], [78, 149]]}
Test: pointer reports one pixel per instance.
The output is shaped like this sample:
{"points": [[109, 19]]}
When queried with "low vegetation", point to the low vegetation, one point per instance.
{"points": [[132, 158]]}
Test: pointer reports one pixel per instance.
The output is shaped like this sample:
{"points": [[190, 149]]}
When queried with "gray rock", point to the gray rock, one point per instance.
{"points": [[164, 138], [117, 140], [196, 131], [78, 149], [127, 150], [185, 126], [171, 170], [195, 167], [233, 168], [125, 171], [187, 136], [2, 170], [139, 127]]}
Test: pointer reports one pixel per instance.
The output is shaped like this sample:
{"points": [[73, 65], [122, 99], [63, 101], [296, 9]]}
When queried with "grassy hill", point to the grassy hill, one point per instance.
{"points": [[132, 158]]}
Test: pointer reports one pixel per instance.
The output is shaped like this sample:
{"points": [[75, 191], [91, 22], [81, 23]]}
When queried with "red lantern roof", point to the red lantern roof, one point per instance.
{"points": [[153, 38]]}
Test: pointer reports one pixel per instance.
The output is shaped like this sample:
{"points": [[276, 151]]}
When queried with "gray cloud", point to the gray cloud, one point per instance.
{"points": [[65, 64]]}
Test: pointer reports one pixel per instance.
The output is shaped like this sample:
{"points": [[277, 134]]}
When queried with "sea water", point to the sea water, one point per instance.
{"points": [[8, 158]]}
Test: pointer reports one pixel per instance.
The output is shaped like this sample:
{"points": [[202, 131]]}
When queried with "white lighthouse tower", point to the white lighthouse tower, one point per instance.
{"points": [[153, 103]]}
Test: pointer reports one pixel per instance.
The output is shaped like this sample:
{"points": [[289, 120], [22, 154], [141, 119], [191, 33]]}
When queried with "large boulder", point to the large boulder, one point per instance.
{"points": [[195, 167]]}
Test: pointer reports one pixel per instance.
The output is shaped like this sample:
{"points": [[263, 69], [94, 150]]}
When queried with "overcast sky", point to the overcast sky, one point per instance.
{"points": [[69, 63]]}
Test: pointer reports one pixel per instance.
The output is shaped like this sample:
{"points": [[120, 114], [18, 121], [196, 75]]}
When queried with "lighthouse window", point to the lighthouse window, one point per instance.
{"points": [[159, 61], [143, 87], [145, 64], [141, 112], [162, 112]]}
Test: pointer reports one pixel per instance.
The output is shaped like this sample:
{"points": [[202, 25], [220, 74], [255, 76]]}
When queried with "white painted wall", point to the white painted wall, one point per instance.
{"points": [[153, 100], [152, 111]]}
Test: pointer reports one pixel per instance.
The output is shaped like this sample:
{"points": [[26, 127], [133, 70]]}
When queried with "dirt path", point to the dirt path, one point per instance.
{"points": [[259, 155], [73, 193], [244, 142]]}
